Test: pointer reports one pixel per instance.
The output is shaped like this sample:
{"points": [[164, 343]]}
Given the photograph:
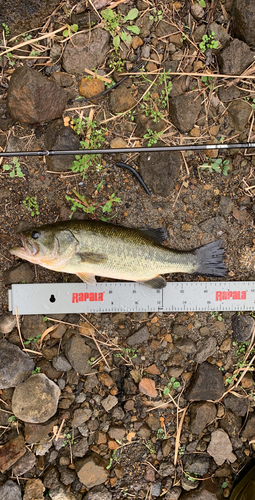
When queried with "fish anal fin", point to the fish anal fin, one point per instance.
{"points": [[158, 235], [87, 278], [92, 257], [157, 282]]}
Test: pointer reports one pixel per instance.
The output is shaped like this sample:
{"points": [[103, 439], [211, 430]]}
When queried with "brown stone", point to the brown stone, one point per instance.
{"points": [[147, 386], [11, 451], [34, 490], [91, 86], [91, 470], [136, 42], [36, 432], [105, 379]]}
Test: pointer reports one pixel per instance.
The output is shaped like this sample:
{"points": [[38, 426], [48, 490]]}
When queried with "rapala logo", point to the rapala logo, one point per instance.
{"points": [[230, 295], [91, 297]]}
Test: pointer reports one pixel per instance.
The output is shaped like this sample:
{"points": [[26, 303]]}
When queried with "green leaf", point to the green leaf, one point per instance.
{"points": [[133, 13], [12, 174], [6, 167], [202, 3], [134, 29], [65, 33], [74, 27], [116, 42], [107, 14]]}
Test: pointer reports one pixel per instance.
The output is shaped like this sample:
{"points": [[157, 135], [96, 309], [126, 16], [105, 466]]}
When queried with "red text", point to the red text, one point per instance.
{"points": [[230, 295], [91, 297]]}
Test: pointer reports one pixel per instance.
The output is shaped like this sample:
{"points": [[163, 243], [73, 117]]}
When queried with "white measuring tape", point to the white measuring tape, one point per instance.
{"points": [[59, 298]]}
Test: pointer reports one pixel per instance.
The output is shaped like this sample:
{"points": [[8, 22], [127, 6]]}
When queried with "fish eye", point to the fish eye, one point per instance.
{"points": [[35, 235]]}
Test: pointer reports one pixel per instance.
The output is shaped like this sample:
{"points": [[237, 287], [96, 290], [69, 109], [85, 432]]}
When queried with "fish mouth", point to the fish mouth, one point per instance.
{"points": [[26, 248]]}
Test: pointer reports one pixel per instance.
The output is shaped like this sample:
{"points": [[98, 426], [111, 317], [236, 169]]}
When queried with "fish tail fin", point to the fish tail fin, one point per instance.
{"points": [[210, 259]]}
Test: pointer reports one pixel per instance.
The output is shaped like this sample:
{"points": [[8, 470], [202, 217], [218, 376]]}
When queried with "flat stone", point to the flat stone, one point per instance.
{"points": [[200, 494], [61, 364], [109, 402], [86, 50], [195, 464], [117, 432], [231, 423], [235, 58], [249, 430], [184, 110], [186, 346], [24, 464], [37, 432], [59, 138], [160, 170], [80, 416], [80, 448], [139, 337], [11, 451], [121, 99], [206, 383], [98, 493], [51, 478], [32, 98], [21, 16], [220, 447], [61, 494], [143, 123], [34, 489], [201, 414], [78, 354], [205, 348], [7, 322], [15, 365], [61, 78], [243, 20], [91, 470], [32, 325], [17, 274], [36, 399], [10, 491], [243, 327], [89, 87], [239, 112], [67, 476]]}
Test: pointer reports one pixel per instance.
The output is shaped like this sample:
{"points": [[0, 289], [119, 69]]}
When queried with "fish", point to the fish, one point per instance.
{"points": [[90, 248]]}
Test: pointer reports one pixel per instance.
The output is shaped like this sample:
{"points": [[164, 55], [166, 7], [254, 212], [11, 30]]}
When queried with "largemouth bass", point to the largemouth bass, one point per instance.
{"points": [[88, 248]]}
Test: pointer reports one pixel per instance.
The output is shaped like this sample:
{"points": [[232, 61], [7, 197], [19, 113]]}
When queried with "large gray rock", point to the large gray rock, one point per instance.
{"points": [[36, 399], [78, 354], [23, 15], [10, 491], [235, 58], [220, 447], [160, 170], [184, 110], [98, 493], [32, 98], [59, 138], [243, 20], [86, 50], [206, 383], [15, 365]]}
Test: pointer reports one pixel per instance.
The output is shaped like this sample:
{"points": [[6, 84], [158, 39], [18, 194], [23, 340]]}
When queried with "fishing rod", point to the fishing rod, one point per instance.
{"points": [[153, 149]]}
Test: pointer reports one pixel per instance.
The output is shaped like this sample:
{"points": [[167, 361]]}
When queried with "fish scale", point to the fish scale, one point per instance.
{"points": [[112, 297]]}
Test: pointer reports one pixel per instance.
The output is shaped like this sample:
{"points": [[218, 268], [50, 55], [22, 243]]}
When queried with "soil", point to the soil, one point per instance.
{"points": [[201, 206]]}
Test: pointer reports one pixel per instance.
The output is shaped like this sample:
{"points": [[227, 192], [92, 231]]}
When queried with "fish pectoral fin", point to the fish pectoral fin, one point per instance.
{"points": [[157, 282], [92, 257], [87, 278]]}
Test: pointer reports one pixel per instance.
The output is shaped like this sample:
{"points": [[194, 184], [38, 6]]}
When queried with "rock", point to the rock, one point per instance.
{"points": [[143, 123], [220, 447], [156, 490], [174, 493], [36, 399], [144, 24], [188, 485], [139, 337], [6, 120], [62, 79], [11, 451], [109, 402], [80, 416], [249, 430], [51, 478], [21, 16], [4, 194], [86, 50], [205, 348], [235, 58], [184, 110], [61, 494], [24, 464], [117, 432], [243, 327], [10, 491], [98, 493], [206, 383], [42, 448], [147, 386], [48, 370], [32, 326], [214, 226], [118, 142], [32, 98], [226, 205], [59, 138], [231, 423], [78, 354], [200, 494], [197, 12], [7, 322], [80, 448], [15, 365], [34, 490], [201, 414], [153, 423], [243, 20], [18, 274], [121, 99], [37, 432], [221, 34], [186, 346], [91, 86], [195, 464], [239, 112], [61, 364], [91, 470], [67, 476], [160, 170]]}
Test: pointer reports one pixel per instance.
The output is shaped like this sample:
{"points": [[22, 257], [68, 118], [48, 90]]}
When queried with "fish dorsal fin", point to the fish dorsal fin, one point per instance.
{"points": [[92, 257], [87, 278], [157, 282], [158, 235]]}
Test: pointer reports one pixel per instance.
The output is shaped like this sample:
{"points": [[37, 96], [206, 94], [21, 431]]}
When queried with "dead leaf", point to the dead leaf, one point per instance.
{"points": [[147, 386], [86, 329]]}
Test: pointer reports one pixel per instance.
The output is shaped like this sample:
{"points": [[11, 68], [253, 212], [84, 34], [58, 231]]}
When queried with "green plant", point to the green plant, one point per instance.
{"points": [[161, 434], [33, 339], [208, 42], [12, 418], [26, 36], [37, 370], [150, 447], [217, 315], [127, 353], [156, 15], [207, 80], [71, 29], [82, 163], [91, 361], [114, 24], [81, 202], [10, 58], [116, 64], [31, 205], [152, 137], [202, 3], [6, 29], [173, 384], [163, 79], [224, 485], [220, 166], [190, 477], [34, 53], [14, 169], [181, 450]]}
